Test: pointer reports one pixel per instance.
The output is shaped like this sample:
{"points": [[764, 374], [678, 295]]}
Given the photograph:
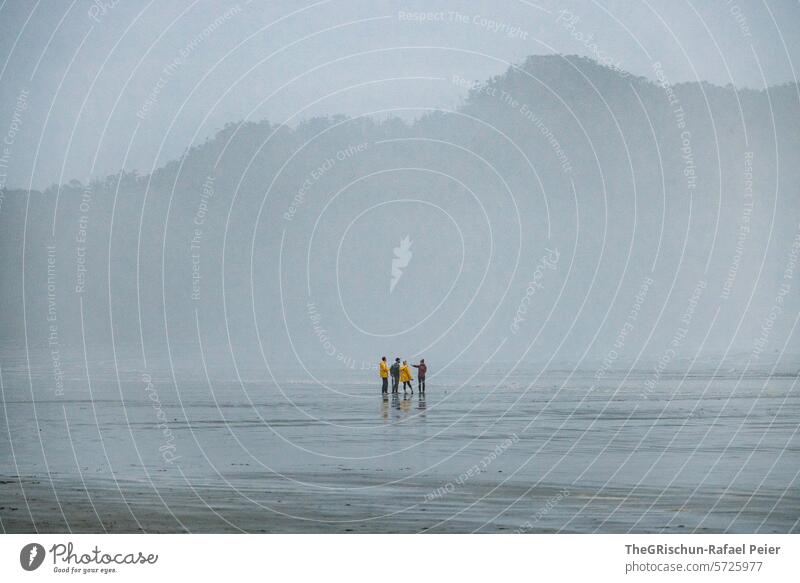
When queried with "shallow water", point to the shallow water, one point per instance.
{"points": [[705, 453]]}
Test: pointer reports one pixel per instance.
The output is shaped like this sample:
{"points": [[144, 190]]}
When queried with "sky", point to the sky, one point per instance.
{"points": [[91, 87]]}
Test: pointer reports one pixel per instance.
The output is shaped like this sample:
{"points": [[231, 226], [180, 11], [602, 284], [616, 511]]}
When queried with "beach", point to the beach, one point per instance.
{"points": [[706, 452]]}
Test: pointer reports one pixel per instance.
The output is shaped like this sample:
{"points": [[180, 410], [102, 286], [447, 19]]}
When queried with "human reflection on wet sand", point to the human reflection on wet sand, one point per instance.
{"points": [[403, 405]]}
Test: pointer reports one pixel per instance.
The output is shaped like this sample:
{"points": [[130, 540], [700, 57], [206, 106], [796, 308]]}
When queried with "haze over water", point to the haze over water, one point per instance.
{"points": [[215, 219]]}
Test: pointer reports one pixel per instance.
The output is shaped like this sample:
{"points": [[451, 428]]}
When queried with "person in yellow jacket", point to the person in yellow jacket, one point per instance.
{"points": [[384, 371], [405, 377]]}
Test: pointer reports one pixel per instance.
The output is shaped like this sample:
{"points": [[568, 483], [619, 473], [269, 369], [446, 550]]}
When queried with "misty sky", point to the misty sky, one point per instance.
{"points": [[91, 87]]}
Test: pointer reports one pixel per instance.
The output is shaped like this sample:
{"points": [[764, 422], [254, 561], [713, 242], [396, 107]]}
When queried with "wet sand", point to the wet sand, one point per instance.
{"points": [[273, 508], [705, 455]]}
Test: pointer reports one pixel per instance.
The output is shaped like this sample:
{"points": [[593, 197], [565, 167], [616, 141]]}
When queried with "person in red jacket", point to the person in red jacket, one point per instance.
{"points": [[422, 369]]}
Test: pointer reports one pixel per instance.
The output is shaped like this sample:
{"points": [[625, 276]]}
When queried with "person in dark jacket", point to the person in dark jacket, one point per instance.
{"points": [[394, 370], [422, 370]]}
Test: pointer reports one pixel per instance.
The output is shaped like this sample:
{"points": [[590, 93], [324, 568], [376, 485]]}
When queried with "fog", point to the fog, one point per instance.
{"points": [[130, 84], [286, 190]]}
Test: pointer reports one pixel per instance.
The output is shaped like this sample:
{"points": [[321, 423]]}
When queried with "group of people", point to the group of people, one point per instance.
{"points": [[402, 374]]}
